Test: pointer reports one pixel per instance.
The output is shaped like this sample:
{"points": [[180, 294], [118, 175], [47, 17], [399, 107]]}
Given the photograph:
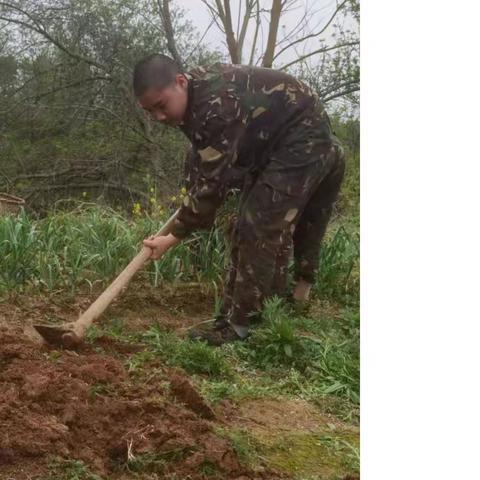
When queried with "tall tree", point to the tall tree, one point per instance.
{"points": [[311, 40]]}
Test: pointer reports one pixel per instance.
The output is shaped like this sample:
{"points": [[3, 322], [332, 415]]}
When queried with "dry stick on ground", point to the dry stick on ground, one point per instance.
{"points": [[210, 320]]}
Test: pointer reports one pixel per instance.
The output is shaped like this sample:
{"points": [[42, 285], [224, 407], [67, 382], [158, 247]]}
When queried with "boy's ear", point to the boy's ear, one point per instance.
{"points": [[181, 80]]}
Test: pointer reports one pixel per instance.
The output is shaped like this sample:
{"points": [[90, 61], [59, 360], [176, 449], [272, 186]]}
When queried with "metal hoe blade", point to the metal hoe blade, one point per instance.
{"points": [[57, 336]]}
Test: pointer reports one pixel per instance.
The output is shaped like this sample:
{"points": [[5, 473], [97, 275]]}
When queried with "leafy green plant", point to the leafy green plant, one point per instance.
{"points": [[91, 245], [194, 357], [303, 356], [18, 247], [338, 275], [275, 343], [63, 469], [244, 443]]}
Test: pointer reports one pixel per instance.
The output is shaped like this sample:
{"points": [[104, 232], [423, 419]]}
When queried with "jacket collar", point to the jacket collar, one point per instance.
{"points": [[187, 119]]}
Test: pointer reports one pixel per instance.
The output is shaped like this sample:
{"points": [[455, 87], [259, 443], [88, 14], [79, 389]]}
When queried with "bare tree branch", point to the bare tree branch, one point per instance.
{"points": [[339, 86], [164, 10], [239, 15], [38, 28], [200, 41], [275, 14], [320, 50], [214, 14], [226, 17], [255, 36], [342, 94], [38, 96], [312, 34], [298, 26], [249, 4]]}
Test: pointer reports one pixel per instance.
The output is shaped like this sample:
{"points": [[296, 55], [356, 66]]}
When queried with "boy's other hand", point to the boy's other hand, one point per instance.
{"points": [[159, 245]]}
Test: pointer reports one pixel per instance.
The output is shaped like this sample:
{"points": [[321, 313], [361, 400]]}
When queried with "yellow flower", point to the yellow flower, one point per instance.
{"points": [[174, 199], [183, 191], [84, 194], [153, 200], [137, 208], [152, 190]]}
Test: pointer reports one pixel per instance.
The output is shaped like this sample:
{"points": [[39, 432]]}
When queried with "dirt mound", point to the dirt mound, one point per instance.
{"points": [[187, 394], [84, 406]]}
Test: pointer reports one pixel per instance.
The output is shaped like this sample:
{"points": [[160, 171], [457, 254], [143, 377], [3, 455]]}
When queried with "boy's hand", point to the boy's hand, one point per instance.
{"points": [[160, 245]]}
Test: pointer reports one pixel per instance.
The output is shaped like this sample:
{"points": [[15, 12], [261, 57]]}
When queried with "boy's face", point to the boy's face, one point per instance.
{"points": [[168, 104]]}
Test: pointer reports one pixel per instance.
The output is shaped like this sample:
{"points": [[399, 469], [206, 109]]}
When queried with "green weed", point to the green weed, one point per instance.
{"points": [[276, 342], [314, 363], [338, 275], [192, 356], [153, 462], [62, 469], [244, 443], [91, 245]]}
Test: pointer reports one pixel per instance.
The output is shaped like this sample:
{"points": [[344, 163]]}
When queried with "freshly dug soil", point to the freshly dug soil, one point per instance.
{"points": [[83, 406], [186, 393]]}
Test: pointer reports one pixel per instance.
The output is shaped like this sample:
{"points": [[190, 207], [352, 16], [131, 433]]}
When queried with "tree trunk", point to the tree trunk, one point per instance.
{"points": [[167, 26], [272, 33], [226, 18]]}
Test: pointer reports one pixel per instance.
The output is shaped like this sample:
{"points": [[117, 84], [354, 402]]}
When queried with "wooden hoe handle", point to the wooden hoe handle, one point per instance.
{"points": [[109, 294]]}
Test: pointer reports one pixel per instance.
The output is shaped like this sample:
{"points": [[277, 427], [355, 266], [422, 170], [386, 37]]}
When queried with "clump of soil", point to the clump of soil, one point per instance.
{"points": [[187, 394], [83, 406], [112, 346]]}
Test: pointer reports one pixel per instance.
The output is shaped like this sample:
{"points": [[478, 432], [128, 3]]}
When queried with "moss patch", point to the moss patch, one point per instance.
{"points": [[312, 455]]}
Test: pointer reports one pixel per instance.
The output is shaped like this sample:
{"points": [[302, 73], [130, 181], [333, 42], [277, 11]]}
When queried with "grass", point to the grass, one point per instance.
{"points": [[64, 469], [152, 462], [193, 357], [299, 454], [338, 277], [302, 353], [244, 444], [287, 356], [90, 246], [314, 455], [315, 358], [80, 249]]}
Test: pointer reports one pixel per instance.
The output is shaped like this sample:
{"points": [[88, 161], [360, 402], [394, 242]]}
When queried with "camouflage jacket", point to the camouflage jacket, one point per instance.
{"points": [[235, 115]]}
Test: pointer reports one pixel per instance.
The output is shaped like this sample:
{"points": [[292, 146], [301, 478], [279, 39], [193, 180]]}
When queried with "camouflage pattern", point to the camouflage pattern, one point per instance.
{"points": [[272, 223], [265, 131]]}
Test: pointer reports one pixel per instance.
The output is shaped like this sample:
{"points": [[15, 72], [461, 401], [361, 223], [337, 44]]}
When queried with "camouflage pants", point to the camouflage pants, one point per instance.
{"points": [[287, 207]]}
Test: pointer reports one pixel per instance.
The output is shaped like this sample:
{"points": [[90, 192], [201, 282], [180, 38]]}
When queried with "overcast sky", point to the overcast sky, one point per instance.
{"points": [[320, 12]]}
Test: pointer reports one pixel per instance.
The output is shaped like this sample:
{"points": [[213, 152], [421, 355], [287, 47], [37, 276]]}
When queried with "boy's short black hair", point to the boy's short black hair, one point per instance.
{"points": [[155, 70]]}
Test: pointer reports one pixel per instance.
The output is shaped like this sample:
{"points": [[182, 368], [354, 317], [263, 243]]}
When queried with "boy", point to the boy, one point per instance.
{"points": [[267, 131]]}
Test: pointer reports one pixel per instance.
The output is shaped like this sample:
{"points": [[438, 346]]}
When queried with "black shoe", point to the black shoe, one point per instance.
{"points": [[219, 323], [216, 336]]}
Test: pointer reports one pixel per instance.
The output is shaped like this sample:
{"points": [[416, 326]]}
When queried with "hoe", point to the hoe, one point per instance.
{"points": [[71, 335]]}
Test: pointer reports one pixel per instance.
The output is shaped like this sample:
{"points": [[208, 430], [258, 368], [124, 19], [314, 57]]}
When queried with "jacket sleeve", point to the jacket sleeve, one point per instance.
{"points": [[190, 170], [216, 154]]}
